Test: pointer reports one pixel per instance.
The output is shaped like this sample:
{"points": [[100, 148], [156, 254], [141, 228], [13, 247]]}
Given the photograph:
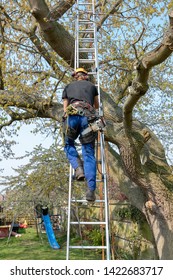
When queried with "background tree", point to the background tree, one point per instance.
{"points": [[43, 180], [36, 58]]}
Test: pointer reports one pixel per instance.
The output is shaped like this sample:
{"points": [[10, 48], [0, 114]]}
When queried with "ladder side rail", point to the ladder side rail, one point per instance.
{"points": [[69, 212], [77, 36], [88, 247], [96, 57], [102, 148], [75, 52], [105, 195]]}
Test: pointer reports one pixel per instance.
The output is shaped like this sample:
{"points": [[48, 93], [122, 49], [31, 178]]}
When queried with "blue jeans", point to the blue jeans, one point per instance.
{"points": [[79, 123]]}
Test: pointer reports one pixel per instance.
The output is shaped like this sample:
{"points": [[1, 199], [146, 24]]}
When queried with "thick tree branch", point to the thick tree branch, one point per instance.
{"points": [[58, 38], [44, 108], [140, 84], [60, 9]]}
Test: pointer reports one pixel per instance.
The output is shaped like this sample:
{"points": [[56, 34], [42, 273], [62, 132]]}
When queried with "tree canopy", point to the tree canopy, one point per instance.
{"points": [[135, 40]]}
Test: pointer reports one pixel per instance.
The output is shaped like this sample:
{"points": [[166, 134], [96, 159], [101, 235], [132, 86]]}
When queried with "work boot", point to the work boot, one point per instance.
{"points": [[90, 196], [79, 173]]}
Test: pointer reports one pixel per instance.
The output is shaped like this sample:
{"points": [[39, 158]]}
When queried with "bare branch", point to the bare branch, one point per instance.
{"points": [[136, 41], [142, 68], [112, 11], [17, 116], [1, 56]]}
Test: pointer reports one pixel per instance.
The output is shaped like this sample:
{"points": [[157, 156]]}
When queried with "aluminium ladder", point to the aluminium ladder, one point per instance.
{"points": [[86, 56]]}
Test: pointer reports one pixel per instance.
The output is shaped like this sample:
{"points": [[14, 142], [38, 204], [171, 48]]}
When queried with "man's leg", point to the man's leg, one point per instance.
{"points": [[89, 169], [71, 152], [74, 158], [73, 123]]}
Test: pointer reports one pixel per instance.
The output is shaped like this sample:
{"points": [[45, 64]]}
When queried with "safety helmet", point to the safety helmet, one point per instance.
{"points": [[79, 70]]}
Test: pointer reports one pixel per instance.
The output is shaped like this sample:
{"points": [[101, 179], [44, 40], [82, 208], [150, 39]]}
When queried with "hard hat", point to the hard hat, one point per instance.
{"points": [[78, 70]]}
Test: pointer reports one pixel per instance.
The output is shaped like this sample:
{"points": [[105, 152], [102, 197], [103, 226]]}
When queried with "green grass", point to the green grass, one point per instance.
{"points": [[31, 247]]}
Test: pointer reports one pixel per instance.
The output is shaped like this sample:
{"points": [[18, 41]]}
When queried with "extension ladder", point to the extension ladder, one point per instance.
{"points": [[86, 56]]}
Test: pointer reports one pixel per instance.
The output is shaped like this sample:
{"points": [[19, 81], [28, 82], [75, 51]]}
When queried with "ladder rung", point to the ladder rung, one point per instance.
{"points": [[86, 40], [87, 4], [86, 12], [92, 73], [87, 60], [88, 247], [88, 223], [84, 21], [100, 180], [86, 50], [84, 200], [86, 31]]}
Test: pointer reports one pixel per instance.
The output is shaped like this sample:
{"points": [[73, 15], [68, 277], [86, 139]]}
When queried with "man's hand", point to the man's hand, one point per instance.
{"points": [[64, 116]]}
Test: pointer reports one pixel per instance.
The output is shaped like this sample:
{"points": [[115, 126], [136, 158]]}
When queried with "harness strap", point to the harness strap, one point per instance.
{"points": [[81, 108], [72, 110], [83, 104]]}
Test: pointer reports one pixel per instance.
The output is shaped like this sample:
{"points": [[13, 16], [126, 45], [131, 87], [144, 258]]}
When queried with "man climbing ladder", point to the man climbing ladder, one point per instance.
{"points": [[84, 118], [80, 99]]}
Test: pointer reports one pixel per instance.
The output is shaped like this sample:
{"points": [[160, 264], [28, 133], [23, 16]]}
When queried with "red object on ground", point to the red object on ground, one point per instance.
{"points": [[23, 225], [4, 231]]}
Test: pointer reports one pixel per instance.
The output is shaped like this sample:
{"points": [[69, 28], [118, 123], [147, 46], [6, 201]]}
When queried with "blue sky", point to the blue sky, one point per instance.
{"points": [[26, 143]]}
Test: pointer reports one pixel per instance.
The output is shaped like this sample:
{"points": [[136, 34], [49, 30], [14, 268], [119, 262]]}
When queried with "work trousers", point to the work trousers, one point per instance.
{"points": [[79, 123]]}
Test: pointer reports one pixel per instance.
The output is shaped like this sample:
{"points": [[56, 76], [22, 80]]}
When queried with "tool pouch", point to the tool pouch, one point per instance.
{"points": [[71, 133], [88, 137]]}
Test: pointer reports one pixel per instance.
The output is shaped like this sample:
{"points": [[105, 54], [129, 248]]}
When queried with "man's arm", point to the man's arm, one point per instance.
{"points": [[65, 104]]}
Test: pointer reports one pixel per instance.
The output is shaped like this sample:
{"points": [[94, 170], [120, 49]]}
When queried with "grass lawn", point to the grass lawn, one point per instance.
{"points": [[31, 247]]}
